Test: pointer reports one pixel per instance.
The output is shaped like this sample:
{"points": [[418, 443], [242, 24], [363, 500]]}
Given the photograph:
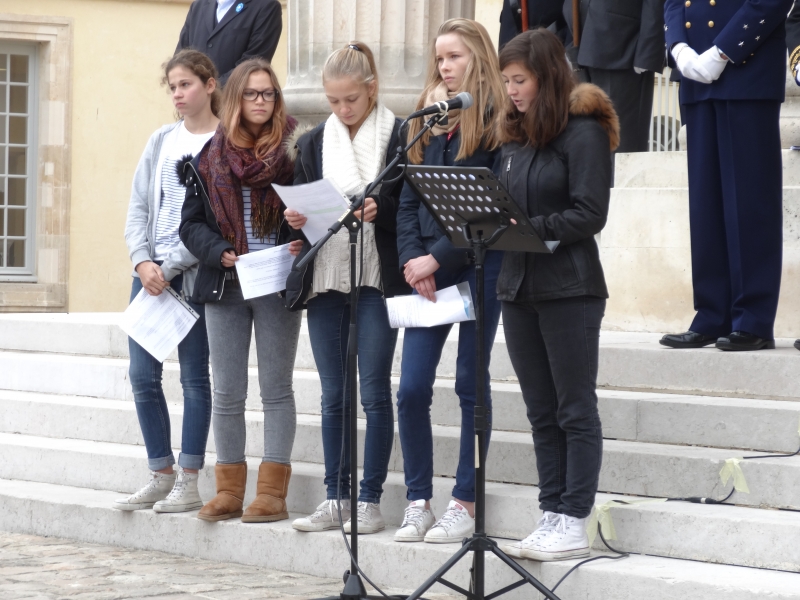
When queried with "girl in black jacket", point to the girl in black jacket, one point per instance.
{"points": [[558, 138], [351, 148], [231, 209], [461, 60]]}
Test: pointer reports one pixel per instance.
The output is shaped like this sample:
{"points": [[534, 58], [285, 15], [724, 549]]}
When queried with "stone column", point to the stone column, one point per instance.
{"points": [[399, 32]]}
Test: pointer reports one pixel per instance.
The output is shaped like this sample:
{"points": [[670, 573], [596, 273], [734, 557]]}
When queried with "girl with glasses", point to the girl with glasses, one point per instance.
{"points": [[230, 210]]}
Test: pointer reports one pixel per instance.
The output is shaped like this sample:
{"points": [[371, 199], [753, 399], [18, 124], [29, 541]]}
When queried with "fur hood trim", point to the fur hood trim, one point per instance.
{"points": [[291, 141], [588, 100]]}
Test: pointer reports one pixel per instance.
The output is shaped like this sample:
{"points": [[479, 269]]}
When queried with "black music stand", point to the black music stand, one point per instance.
{"points": [[475, 211]]}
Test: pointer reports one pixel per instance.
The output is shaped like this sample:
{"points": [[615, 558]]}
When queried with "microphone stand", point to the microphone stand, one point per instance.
{"points": [[354, 587]]}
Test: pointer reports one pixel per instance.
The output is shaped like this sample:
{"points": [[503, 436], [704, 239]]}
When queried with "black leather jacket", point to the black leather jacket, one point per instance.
{"points": [[564, 187]]}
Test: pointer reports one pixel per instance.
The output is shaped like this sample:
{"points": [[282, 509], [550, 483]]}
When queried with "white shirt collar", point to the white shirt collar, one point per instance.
{"points": [[223, 6]]}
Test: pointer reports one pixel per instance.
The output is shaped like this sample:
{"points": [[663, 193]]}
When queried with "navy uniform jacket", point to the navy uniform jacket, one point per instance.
{"points": [[250, 29], [750, 32], [793, 36]]}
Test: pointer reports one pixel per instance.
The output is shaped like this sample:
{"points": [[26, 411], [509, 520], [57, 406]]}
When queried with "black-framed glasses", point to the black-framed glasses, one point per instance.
{"points": [[267, 95]]}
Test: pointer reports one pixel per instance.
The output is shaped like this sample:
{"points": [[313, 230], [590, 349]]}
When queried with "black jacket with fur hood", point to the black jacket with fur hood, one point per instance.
{"points": [[308, 168], [565, 189]]}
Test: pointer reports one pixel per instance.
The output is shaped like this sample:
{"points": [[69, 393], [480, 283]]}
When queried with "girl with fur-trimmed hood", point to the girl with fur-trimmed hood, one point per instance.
{"points": [[558, 137]]}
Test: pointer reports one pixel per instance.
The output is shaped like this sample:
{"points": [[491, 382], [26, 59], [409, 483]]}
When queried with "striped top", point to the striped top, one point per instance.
{"points": [[254, 244], [178, 143]]}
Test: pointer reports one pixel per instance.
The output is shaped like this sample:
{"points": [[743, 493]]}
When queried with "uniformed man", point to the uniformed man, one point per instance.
{"points": [[732, 55]]}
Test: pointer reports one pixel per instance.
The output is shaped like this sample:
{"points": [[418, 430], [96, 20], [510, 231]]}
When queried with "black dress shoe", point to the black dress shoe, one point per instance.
{"points": [[797, 344], [689, 339], [741, 340]]}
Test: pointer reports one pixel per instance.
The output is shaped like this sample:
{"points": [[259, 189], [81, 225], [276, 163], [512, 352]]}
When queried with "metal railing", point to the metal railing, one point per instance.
{"points": [[665, 123]]}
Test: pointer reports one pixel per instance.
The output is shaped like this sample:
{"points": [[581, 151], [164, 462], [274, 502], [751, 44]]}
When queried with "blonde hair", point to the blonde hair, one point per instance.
{"points": [[354, 60], [481, 79], [271, 134]]}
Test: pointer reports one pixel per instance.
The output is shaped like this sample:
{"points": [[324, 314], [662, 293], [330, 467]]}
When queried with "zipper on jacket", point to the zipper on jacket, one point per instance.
{"points": [[205, 198], [508, 165]]}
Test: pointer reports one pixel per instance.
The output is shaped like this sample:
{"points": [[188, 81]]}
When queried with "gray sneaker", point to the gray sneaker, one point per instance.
{"points": [[325, 517], [370, 519], [158, 488], [183, 497]]}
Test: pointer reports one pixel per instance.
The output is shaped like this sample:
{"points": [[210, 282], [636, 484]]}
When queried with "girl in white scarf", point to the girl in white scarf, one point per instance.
{"points": [[351, 148]]}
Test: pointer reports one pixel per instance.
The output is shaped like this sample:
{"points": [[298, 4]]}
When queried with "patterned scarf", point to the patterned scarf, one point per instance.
{"points": [[227, 167]]}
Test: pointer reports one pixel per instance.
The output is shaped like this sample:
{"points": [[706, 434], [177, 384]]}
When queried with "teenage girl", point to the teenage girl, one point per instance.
{"points": [[462, 59], [558, 137], [231, 209], [351, 148], [160, 259]]}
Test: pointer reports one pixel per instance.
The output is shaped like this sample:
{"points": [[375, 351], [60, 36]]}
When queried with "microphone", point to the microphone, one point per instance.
{"points": [[462, 101]]}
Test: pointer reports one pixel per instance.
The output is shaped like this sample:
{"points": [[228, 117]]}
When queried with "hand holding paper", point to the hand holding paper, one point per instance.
{"points": [[453, 305], [320, 202], [264, 272]]}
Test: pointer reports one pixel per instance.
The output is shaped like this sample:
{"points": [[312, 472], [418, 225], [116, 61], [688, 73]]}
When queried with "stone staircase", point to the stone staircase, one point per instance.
{"points": [[70, 444]]}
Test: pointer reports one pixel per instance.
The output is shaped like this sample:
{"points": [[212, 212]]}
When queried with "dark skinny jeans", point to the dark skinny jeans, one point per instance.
{"points": [[554, 348]]}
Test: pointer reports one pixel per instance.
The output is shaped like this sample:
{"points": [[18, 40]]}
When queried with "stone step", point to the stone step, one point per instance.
{"points": [[85, 515], [626, 415], [721, 534], [668, 170], [635, 468], [627, 360]]}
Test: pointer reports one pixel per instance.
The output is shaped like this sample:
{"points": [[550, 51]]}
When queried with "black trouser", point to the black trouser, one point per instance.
{"points": [[554, 347], [632, 96]]}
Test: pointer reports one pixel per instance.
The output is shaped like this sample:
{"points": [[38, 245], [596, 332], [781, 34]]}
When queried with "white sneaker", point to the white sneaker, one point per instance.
{"points": [[454, 526], [157, 489], [325, 517], [546, 524], [370, 519], [567, 540], [183, 497], [416, 523]]}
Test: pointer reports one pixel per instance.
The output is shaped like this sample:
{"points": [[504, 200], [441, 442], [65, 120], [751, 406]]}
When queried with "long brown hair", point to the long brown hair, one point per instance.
{"points": [[482, 80], [540, 53], [271, 135], [354, 60], [199, 64]]}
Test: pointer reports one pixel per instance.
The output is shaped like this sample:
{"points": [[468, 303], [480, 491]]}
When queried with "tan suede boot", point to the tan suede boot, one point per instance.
{"points": [[270, 502], [227, 504]]}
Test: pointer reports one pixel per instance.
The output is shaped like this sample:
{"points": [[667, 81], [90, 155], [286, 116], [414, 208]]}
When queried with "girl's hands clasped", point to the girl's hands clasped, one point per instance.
{"points": [[419, 274]]}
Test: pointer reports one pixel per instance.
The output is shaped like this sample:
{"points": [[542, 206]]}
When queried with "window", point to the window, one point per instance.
{"points": [[17, 161]]}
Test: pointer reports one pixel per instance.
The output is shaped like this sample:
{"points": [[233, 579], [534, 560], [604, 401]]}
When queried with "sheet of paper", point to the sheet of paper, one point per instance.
{"points": [[321, 202], [453, 305], [158, 323], [264, 272]]}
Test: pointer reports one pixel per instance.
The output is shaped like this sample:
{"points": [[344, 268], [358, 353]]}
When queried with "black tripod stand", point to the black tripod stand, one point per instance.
{"points": [[354, 587], [475, 212]]}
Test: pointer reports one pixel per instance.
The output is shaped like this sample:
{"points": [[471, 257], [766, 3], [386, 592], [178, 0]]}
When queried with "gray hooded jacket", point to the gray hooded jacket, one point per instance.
{"points": [[140, 228]]}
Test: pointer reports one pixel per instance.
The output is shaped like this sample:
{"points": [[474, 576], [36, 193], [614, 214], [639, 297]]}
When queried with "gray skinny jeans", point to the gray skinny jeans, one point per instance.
{"points": [[230, 323]]}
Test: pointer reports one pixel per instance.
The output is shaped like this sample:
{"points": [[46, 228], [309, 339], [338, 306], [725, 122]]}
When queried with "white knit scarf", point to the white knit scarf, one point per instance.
{"points": [[353, 165]]}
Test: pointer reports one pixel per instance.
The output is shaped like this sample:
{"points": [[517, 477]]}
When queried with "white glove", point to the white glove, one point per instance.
{"points": [[638, 70], [713, 62], [689, 64]]}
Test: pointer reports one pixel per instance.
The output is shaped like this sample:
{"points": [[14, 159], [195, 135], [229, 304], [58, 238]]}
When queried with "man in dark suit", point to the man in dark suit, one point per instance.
{"points": [[619, 46], [540, 13], [732, 55], [231, 31]]}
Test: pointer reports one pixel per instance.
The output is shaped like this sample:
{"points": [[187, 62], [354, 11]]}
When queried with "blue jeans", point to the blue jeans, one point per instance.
{"points": [[328, 329], [422, 350], [151, 406]]}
